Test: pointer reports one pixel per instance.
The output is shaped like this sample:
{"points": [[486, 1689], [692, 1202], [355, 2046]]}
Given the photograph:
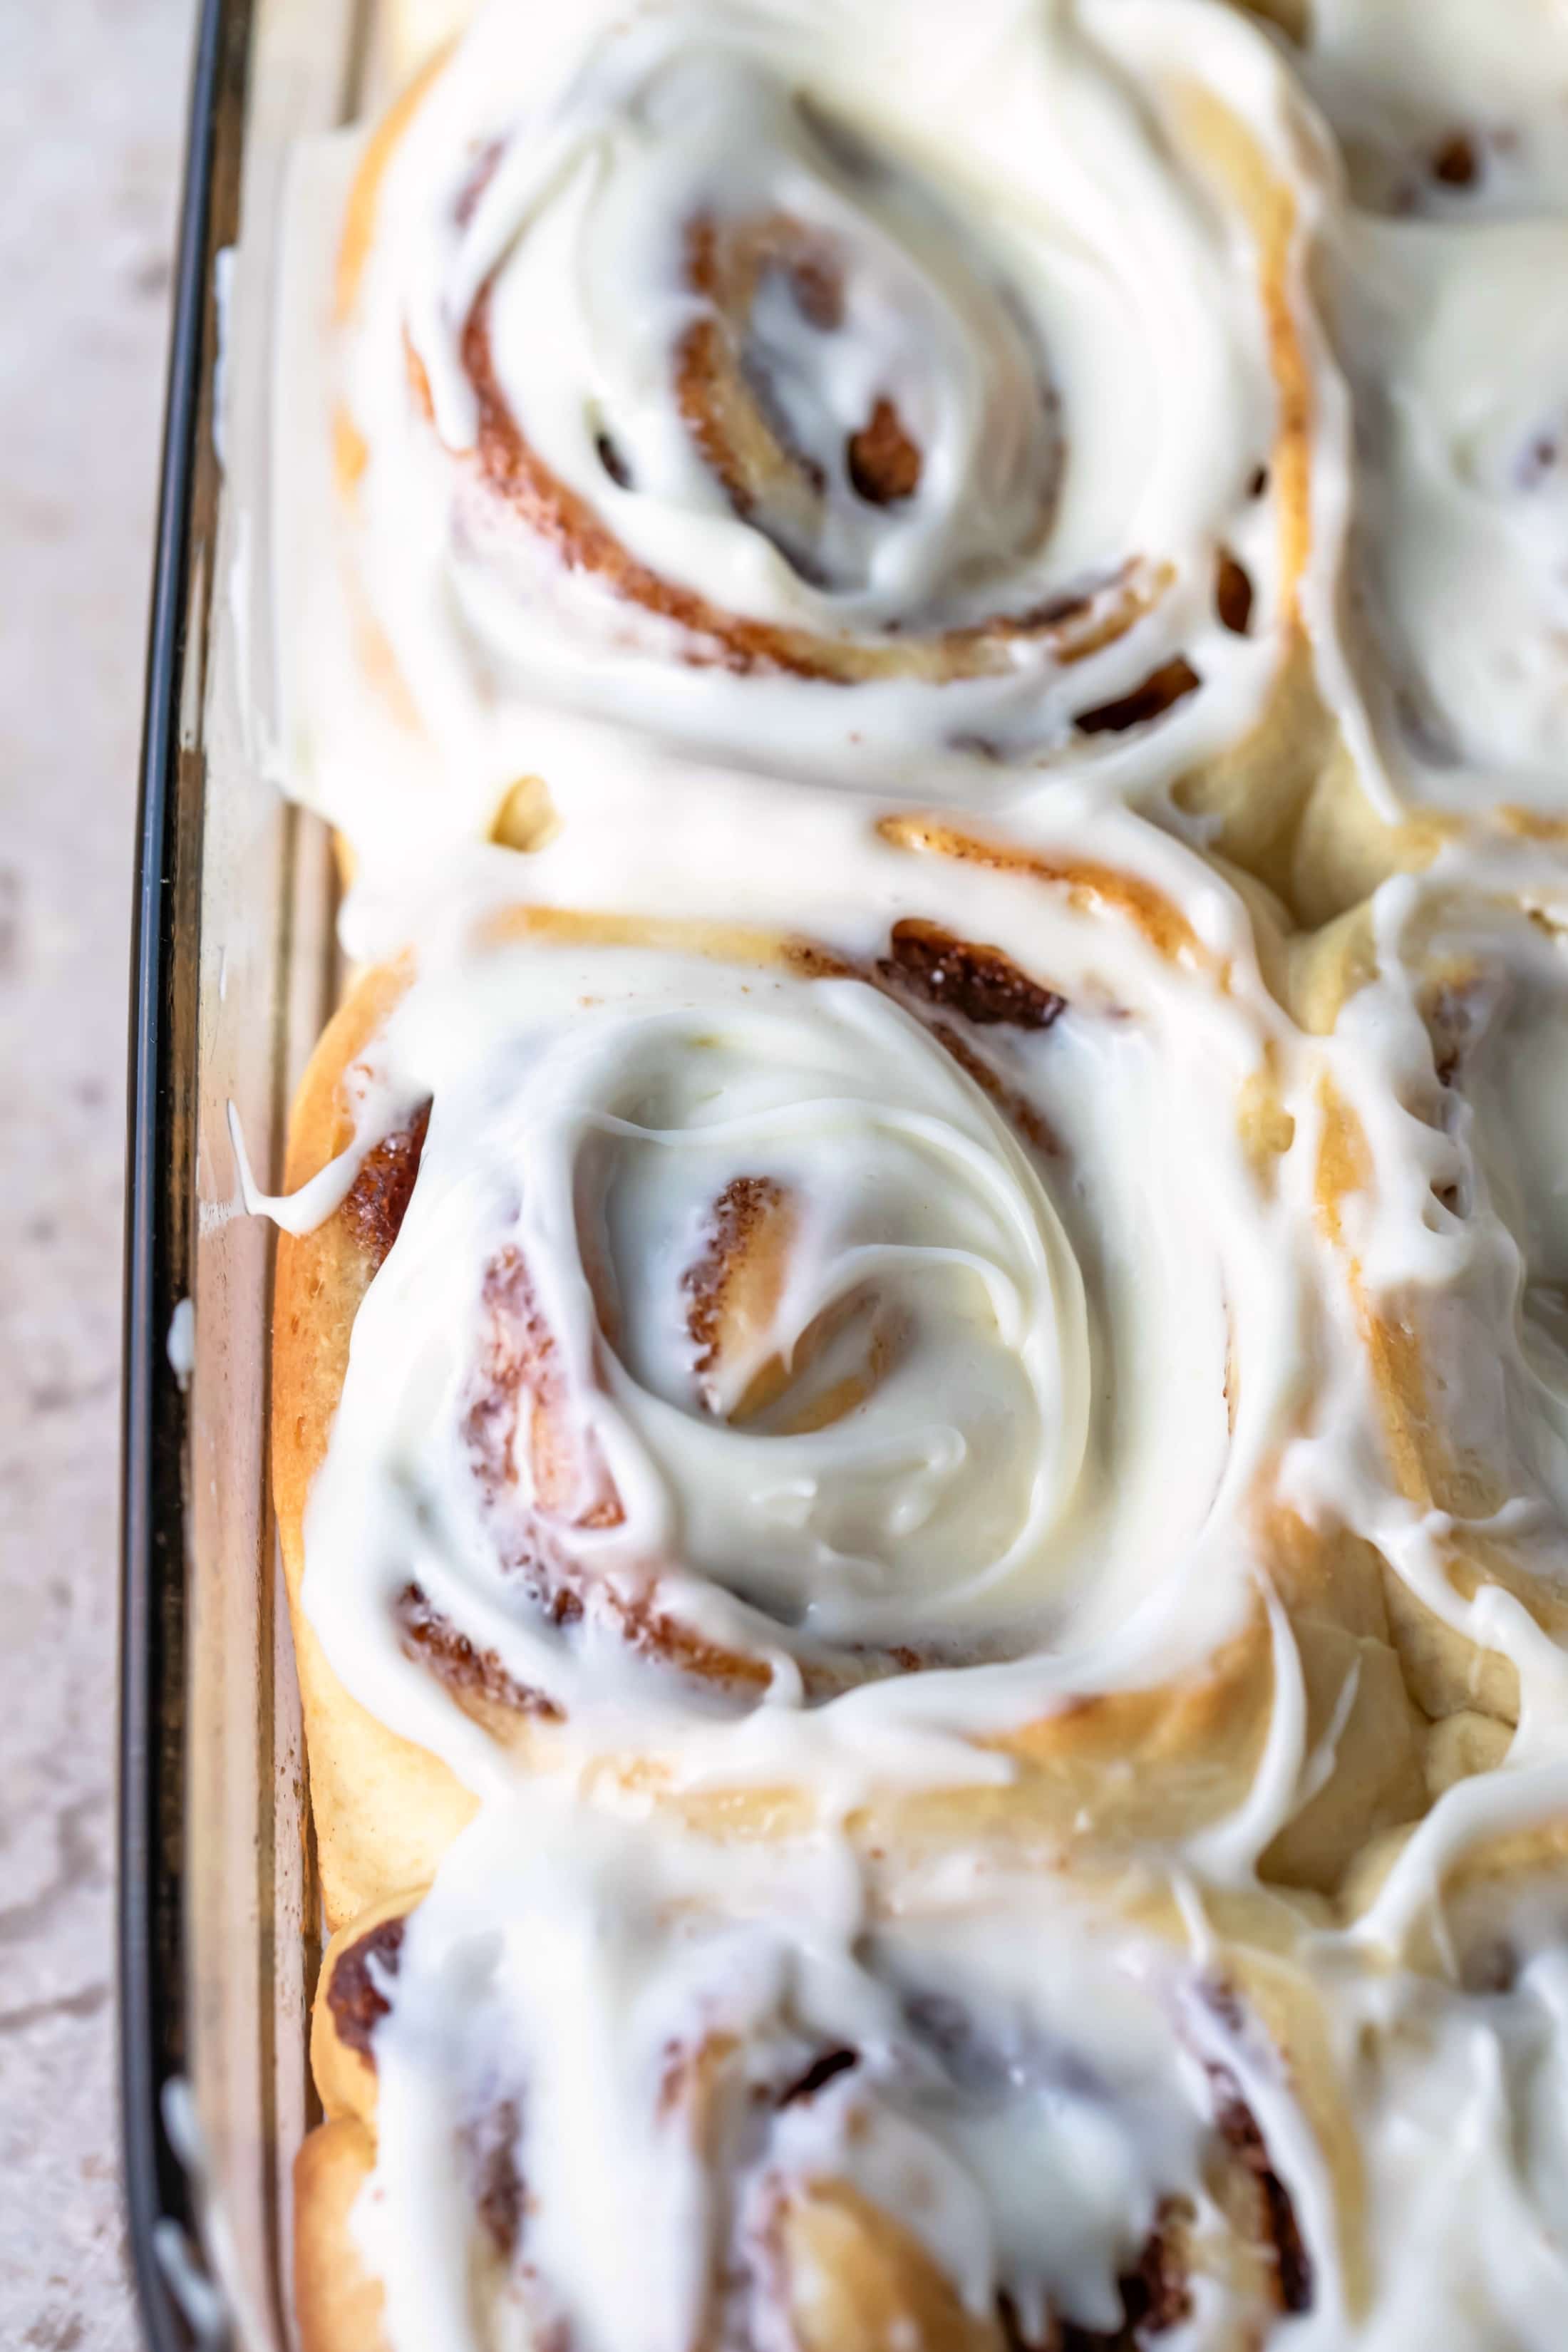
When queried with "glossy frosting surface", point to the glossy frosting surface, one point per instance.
{"points": [[806, 529]]}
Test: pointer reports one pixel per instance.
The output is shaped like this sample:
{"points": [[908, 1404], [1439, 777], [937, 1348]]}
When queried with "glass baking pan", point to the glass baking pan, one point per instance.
{"points": [[233, 972]]}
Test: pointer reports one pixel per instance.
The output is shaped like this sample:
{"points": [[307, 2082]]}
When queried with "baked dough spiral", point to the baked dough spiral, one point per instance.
{"points": [[1449, 996], [1447, 662], [847, 1355], [599, 2089], [1003, 2118], [836, 391], [922, 1454]]}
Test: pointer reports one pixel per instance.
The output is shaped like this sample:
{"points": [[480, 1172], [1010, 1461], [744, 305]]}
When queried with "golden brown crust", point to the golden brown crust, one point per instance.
{"points": [[359, 1968], [337, 2303], [384, 1809], [1342, 849], [1428, 1465]]}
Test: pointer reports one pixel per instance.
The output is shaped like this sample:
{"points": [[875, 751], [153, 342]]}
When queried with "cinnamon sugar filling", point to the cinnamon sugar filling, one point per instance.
{"points": [[378, 1201], [981, 983], [730, 426], [539, 1474], [356, 2001]]}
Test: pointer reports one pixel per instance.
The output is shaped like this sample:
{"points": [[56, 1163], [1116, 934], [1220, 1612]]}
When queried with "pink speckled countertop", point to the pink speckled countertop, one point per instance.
{"points": [[91, 123]]}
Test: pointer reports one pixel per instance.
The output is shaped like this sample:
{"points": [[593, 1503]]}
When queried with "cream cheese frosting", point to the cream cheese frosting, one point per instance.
{"points": [[908, 1253], [1453, 126], [1454, 1035], [1038, 2081], [885, 395], [1070, 1324]]}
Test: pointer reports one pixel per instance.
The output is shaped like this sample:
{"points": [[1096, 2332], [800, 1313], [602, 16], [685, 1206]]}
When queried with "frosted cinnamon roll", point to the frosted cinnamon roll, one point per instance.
{"points": [[1447, 663], [1440, 107], [1457, 701], [592, 2092], [1448, 999], [852, 1355], [858, 392]]}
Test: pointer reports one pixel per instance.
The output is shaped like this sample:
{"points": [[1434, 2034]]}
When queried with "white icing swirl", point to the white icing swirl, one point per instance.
{"points": [[1462, 522], [1010, 2083], [1037, 2082], [831, 391], [1455, 1054], [1002, 1376]]}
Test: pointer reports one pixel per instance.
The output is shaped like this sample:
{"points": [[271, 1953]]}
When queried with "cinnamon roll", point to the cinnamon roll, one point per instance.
{"points": [[922, 1447], [1437, 107], [838, 392], [416, 30], [826, 1358], [593, 2091], [1447, 999], [1447, 663]]}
